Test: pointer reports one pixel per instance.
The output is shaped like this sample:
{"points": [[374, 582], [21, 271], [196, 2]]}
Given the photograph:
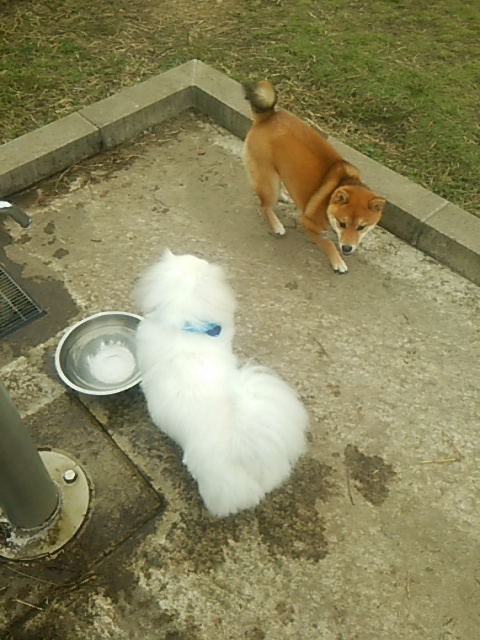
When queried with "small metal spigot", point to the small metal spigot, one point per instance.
{"points": [[20, 217]]}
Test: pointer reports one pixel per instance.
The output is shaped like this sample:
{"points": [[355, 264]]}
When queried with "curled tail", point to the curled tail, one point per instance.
{"points": [[263, 98]]}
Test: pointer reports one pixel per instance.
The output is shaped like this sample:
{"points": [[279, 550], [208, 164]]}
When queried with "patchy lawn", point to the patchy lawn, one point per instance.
{"points": [[397, 79]]}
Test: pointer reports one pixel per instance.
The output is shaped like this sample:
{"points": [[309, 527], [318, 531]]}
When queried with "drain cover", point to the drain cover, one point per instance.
{"points": [[16, 308]]}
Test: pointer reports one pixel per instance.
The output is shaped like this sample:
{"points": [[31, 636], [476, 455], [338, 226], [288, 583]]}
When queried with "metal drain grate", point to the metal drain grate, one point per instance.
{"points": [[16, 308]]}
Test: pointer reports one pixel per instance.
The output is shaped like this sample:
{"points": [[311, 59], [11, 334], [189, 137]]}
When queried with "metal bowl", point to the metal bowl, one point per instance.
{"points": [[97, 355]]}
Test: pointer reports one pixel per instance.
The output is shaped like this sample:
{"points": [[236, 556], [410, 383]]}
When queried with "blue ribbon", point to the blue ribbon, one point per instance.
{"points": [[210, 328]]}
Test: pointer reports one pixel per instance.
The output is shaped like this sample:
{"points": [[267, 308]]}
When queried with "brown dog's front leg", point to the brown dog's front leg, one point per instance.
{"points": [[327, 246]]}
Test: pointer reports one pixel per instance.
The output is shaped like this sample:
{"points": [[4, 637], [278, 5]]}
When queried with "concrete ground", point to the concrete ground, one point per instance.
{"points": [[376, 535]]}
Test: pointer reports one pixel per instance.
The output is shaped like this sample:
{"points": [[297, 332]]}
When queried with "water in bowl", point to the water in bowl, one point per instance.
{"points": [[112, 363]]}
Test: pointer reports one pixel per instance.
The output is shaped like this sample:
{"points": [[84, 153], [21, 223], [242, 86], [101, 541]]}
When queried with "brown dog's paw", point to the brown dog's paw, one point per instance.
{"points": [[278, 229], [340, 267]]}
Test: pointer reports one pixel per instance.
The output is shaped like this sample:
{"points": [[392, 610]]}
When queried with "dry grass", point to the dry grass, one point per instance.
{"points": [[397, 79]]}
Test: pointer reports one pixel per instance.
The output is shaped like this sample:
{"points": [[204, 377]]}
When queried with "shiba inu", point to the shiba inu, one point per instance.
{"points": [[282, 149]]}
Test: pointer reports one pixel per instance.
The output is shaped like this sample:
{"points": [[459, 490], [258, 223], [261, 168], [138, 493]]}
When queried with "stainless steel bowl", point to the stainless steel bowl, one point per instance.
{"points": [[97, 355]]}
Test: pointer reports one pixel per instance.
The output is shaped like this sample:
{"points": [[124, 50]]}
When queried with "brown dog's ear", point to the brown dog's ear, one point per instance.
{"points": [[377, 205], [340, 197]]}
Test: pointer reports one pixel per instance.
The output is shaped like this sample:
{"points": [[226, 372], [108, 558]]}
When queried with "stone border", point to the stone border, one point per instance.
{"points": [[414, 214]]}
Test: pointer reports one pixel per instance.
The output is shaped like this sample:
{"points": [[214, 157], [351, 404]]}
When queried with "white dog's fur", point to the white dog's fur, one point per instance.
{"points": [[241, 428]]}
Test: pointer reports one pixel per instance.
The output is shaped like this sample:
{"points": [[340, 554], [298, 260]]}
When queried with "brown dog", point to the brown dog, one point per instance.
{"points": [[281, 148]]}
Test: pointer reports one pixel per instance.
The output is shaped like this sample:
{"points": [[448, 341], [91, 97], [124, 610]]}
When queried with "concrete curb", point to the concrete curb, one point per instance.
{"points": [[421, 218]]}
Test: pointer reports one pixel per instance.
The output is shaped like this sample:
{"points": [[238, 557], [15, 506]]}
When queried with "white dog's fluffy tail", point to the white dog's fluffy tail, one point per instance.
{"points": [[266, 437]]}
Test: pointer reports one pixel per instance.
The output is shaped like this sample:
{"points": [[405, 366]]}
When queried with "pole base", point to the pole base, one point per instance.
{"points": [[74, 499]]}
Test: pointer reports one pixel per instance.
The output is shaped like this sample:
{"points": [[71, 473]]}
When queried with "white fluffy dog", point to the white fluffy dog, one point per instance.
{"points": [[241, 428]]}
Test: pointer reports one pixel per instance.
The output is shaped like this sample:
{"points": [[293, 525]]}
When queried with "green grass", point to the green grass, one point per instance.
{"points": [[397, 79]]}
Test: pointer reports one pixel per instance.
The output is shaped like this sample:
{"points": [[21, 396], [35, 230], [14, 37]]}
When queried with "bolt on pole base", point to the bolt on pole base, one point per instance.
{"points": [[27, 544]]}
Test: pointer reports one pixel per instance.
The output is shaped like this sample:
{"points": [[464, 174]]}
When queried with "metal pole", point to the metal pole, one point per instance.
{"points": [[28, 495]]}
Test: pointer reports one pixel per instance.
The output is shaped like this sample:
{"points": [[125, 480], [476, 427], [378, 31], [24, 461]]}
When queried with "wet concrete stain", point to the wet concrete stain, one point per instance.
{"points": [[113, 585], [198, 541], [61, 253], [48, 294], [167, 625], [50, 630], [115, 582], [49, 228], [334, 389], [370, 474], [116, 578], [255, 633], [296, 504], [285, 612]]}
